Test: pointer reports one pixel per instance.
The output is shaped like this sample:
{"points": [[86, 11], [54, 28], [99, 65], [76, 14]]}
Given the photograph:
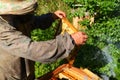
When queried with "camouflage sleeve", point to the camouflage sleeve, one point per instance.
{"points": [[20, 45]]}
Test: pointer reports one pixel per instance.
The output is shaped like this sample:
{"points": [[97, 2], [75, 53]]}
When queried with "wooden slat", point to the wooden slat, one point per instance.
{"points": [[94, 76], [69, 24]]}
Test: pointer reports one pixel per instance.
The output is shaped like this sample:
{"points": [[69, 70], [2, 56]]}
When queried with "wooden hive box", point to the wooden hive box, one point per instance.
{"points": [[66, 72]]}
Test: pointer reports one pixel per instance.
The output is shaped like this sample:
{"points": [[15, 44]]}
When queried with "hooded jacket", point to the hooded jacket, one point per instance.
{"points": [[18, 52]]}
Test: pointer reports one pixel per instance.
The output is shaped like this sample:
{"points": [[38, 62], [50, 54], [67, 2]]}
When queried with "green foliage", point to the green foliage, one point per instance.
{"points": [[102, 7], [85, 22], [45, 6], [101, 52], [106, 31], [42, 69]]}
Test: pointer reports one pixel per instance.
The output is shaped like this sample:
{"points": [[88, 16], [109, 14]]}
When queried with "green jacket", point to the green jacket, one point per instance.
{"points": [[18, 52]]}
